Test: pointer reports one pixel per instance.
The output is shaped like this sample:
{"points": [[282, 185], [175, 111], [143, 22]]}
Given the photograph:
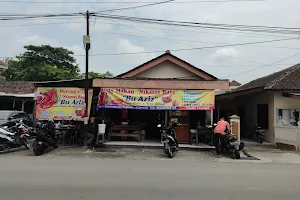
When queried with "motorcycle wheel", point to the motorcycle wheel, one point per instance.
{"points": [[36, 149], [26, 143], [55, 146], [261, 139], [169, 151], [236, 154]]}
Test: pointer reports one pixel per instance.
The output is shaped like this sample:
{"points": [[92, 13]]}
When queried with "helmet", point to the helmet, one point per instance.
{"points": [[175, 124], [38, 126]]}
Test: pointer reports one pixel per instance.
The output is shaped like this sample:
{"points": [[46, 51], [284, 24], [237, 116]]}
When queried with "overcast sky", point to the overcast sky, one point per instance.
{"points": [[118, 37]]}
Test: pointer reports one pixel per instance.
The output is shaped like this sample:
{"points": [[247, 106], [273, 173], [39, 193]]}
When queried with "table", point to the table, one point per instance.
{"points": [[134, 129], [202, 132], [62, 133]]}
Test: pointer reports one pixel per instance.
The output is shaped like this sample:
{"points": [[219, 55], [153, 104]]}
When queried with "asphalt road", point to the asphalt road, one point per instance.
{"points": [[63, 178]]}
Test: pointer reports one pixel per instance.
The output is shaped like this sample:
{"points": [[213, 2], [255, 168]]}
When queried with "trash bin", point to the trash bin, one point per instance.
{"points": [[101, 128], [101, 133]]}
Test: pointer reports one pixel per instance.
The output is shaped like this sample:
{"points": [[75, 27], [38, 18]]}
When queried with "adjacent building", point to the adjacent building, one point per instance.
{"points": [[17, 95], [267, 101]]}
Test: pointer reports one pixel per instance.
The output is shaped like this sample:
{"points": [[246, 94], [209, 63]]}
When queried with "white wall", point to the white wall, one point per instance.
{"points": [[286, 102], [168, 70], [281, 102]]}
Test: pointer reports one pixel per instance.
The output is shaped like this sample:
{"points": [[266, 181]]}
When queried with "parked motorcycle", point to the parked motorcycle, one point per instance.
{"points": [[168, 139], [257, 133], [232, 145], [45, 137], [14, 135]]}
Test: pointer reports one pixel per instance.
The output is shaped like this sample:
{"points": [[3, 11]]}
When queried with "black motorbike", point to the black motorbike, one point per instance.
{"points": [[257, 133], [45, 137], [13, 135], [232, 145], [168, 138]]}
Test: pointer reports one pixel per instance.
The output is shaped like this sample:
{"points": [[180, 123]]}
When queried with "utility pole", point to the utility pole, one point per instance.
{"points": [[87, 43]]}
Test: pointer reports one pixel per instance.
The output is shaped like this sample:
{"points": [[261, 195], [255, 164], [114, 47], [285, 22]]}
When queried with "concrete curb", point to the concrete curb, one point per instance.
{"points": [[155, 147]]}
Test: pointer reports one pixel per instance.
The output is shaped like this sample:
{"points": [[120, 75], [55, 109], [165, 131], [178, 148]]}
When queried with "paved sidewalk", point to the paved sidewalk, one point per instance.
{"points": [[268, 153], [156, 145]]}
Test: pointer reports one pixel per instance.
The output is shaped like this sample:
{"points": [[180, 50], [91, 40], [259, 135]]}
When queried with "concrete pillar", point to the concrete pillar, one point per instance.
{"points": [[23, 105], [218, 112], [235, 126], [211, 117]]}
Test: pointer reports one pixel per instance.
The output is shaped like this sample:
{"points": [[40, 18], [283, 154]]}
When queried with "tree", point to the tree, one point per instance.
{"points": [[98, 75], [42, 63]]}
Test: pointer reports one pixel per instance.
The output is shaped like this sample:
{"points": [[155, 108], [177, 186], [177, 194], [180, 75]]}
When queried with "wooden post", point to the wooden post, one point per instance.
{"points": [[23, 105], [218, 112], [211, 117]]}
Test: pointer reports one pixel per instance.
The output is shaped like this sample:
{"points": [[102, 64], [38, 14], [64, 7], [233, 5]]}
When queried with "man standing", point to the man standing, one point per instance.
{"points": [[219, 132]]}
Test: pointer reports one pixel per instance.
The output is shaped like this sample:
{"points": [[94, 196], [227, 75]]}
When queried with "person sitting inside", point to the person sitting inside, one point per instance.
{"points": [[219, 132]]}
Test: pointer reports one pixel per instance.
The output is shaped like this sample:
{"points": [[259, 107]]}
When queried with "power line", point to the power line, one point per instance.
{"points": [[225, 27], [195, 23], [49, 16], [45, 24], [123, 2], [188, 49], [134, 7], [238, 58], [157, 28], [180, 30], [175, 50], [262, 66], [178, 39]]}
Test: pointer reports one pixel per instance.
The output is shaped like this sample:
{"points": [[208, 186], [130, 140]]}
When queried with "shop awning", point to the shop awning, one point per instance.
{"points": [[147, 83], [18, 95]]}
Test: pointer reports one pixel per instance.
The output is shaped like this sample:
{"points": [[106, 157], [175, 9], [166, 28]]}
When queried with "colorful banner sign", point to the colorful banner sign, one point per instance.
{"points": [[61, 103], [152, 99]]}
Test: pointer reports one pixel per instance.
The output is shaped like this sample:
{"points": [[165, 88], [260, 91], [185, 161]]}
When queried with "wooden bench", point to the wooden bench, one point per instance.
{"points": [[115, 131]]}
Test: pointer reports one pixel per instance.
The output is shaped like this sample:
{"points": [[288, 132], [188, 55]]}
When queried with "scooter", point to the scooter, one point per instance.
{"points": [[14, 136], [45, 137], [232, 145], [257, 133], [168, 139]]}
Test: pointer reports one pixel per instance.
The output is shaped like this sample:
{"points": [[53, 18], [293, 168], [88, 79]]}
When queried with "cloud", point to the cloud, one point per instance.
{"points": [[270, 13], [228, 51], [126, 46], [225, 54], [78, 50], [76, 25], [133, 60], [37, 40]]}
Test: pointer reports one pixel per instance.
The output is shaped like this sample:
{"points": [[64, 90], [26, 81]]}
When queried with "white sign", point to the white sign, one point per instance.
{"points": [[86, 39]]}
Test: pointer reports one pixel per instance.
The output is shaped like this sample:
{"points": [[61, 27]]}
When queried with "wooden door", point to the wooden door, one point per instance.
{"points": [[183, 134]]}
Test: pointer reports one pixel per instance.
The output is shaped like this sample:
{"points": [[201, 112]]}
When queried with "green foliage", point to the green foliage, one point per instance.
{"points": [[98, 75], [42, 63]]}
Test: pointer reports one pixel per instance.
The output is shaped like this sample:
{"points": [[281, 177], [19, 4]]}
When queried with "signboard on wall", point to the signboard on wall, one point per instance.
{"points": [[156, 99], [61, 103]]}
